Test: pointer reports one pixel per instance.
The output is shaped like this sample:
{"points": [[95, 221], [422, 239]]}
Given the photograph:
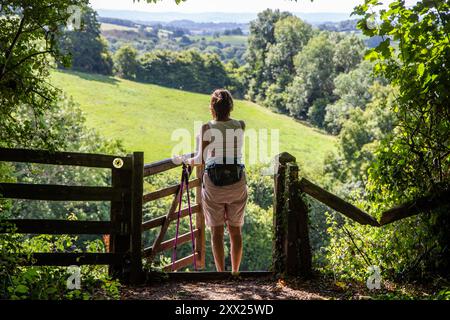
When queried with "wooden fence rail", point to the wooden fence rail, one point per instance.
{"points": [[291, 252], [125, 196]]}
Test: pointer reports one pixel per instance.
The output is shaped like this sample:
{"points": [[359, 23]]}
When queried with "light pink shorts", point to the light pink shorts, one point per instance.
{"points": [[224, 203]]}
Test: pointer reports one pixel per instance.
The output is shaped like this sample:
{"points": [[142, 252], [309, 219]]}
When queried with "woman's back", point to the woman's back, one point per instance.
{"points": [[226, 141]]}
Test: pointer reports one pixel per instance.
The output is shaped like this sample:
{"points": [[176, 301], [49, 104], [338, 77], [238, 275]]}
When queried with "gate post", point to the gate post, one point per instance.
{"points": [[279, 219], [298, 259], [120, 219], [137, 189], [291, 248]]}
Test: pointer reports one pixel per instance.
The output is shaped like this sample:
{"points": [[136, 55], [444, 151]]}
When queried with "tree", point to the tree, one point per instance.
{"points": [[262, 35], [291, 35], [87, 48], [324, 57], [28, 46], [315, 74], [352, 90], [348, 53], [187, 70], [125, 62]]}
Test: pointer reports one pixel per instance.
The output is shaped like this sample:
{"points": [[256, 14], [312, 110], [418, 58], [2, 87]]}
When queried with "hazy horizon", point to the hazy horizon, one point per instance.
{"points": [[227, 6], [232, 6]]}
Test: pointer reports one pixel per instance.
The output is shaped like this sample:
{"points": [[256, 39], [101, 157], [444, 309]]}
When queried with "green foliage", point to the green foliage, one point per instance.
{"points": [[262, 36], [397, 148], [186, 70], [420, 143], [49, 283], [353, 90], [86, 47], [415, 160], [317, 65], [291, 35], [125, 62], [27, 49]]}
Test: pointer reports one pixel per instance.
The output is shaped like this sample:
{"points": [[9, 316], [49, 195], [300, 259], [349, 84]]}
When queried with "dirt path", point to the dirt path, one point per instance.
{"points": [[248, 289]]}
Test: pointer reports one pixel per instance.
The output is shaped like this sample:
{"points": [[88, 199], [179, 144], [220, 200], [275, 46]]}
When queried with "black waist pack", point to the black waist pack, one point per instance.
{"points": [[225, 174]]}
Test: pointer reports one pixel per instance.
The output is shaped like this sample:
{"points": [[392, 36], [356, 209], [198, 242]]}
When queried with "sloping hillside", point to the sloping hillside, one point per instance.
{"points": [[144, 117]]}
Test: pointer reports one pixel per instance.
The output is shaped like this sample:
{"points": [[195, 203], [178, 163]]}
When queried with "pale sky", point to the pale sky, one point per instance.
{"points": [[237, 6]]}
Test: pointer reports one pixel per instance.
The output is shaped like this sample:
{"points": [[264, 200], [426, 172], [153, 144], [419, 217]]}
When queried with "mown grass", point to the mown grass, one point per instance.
{"points": [[109, 27], [232, 40], [144, 117]]}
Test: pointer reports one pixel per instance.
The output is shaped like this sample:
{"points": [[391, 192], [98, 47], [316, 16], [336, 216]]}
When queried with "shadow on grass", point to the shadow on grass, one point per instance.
{"points": [[91, 76]]}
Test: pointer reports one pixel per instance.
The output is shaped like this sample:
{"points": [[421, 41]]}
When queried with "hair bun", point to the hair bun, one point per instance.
{"points": [[219, 97]]}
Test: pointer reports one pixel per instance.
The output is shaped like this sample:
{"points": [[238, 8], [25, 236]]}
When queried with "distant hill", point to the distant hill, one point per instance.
{"points": [[144, 117], [218, 17]]}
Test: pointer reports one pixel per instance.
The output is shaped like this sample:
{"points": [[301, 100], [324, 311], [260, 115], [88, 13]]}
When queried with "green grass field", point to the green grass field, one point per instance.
{"points": [[109, 27], [232, 40], [144, 116]]}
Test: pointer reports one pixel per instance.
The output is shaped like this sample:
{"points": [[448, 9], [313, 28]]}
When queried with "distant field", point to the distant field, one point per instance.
{"points": [[144, 117], [109, 27], [232, 40]]}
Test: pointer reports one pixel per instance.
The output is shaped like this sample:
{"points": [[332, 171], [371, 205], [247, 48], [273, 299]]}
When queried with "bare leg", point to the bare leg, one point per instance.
{"points": [[236, 247], [218, 247]]}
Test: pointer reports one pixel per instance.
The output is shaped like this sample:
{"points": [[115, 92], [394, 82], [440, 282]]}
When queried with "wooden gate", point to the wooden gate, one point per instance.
{"points": [[159, 245], [125, 196]]}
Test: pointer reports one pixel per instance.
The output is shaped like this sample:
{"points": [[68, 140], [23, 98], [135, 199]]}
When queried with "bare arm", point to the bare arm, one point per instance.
{"points": [[198, 159]]}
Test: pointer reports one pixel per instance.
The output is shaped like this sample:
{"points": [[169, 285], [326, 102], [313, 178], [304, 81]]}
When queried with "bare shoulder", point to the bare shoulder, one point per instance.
{"points": [[205, 127]]}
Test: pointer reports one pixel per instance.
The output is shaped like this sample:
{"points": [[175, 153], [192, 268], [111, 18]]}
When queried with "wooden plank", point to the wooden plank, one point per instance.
{"points": [[153, 223], [59, 192], [168, 191], [337, 203], [169, 244], [62, 158], [166, 223], [61, 227], [416, 206], [182, 263], [195, 276], [121, 218], [68, 259], [136, 270], [156, 222], [200, 239], [161, 166]]}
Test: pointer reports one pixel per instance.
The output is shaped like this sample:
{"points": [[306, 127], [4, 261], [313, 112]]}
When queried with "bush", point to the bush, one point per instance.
{"points": [[49, 283]]}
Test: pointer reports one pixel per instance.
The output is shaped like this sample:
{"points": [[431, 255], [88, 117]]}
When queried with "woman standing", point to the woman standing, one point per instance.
{"points": [[224, 191]]}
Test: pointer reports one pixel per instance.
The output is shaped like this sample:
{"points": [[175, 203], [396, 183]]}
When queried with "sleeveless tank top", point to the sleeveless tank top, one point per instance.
{"points": [[226, 141]]}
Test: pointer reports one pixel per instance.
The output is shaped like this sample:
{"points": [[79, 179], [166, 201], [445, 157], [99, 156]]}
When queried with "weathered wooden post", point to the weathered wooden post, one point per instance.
{"points": [[279, 219], [291, 248], [137, 188], [200, 240], [298, 259], [120, 219]]}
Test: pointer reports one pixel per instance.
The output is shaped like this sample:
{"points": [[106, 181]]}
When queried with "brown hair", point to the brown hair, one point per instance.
{"points": [[222, 103]]}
